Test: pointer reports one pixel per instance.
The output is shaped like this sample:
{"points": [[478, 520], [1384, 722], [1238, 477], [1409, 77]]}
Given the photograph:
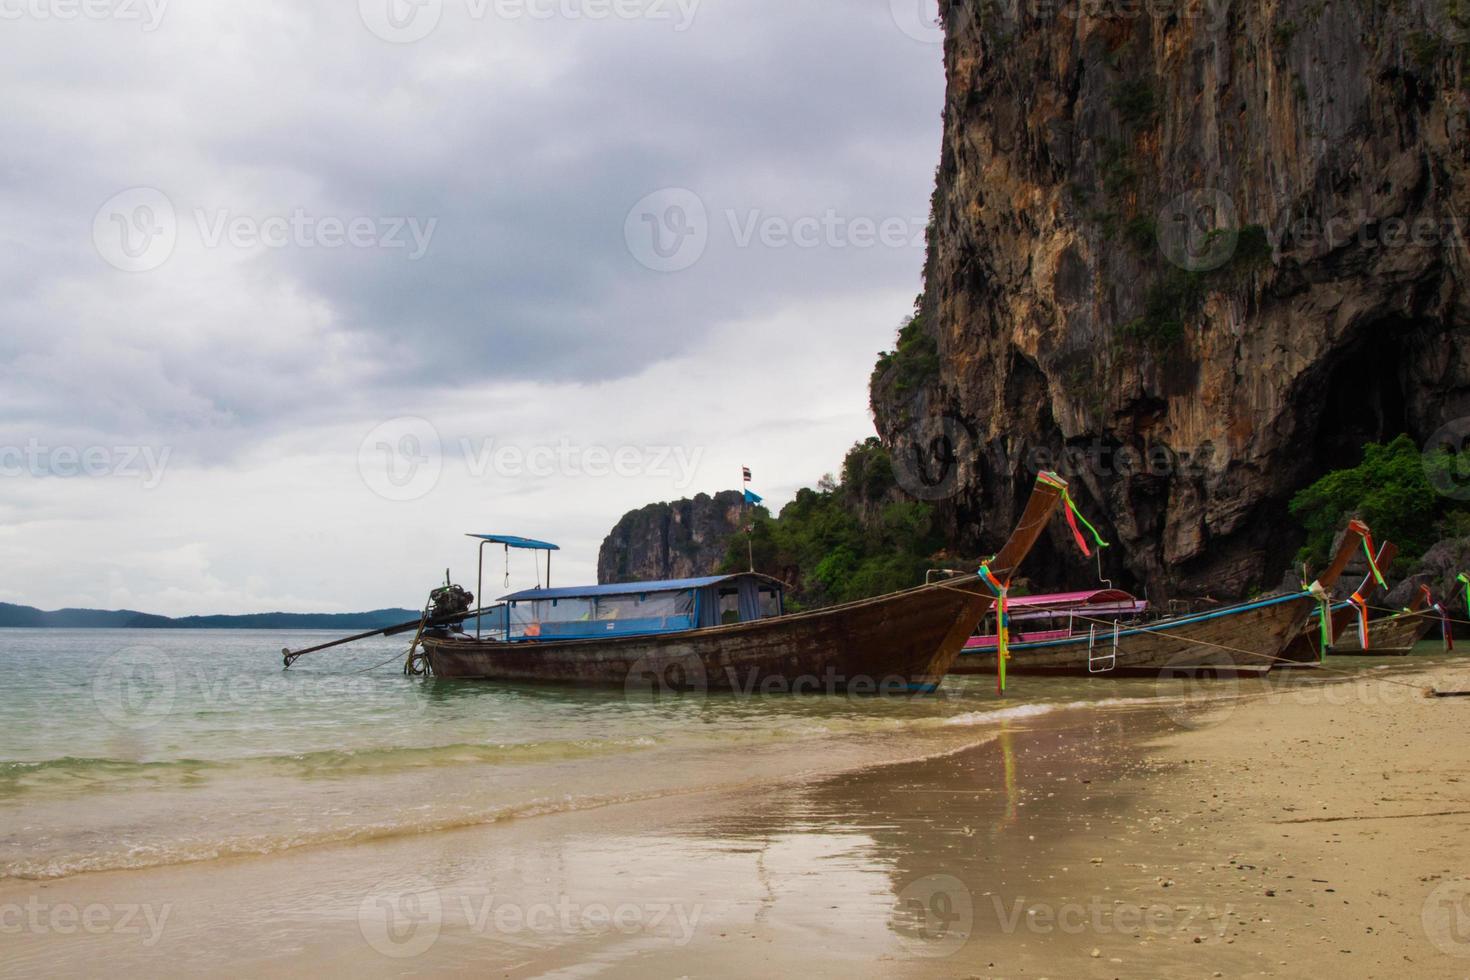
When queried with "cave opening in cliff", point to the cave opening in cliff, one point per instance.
{"points": [[1364, 399]]}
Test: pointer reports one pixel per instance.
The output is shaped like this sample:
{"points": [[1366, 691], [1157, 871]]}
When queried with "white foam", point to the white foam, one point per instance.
{"points": [[1040, 708]]}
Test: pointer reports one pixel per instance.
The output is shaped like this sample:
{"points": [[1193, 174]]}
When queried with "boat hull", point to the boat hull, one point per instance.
{"points": [[1307, 647], [1393, 636], [906, 641], [1249, 636]]}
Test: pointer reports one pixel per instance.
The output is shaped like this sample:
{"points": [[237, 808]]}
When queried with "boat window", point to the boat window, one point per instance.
{"points": [[565, 610], [770, 603], [650, 605], [729, 606], [617, 607]]}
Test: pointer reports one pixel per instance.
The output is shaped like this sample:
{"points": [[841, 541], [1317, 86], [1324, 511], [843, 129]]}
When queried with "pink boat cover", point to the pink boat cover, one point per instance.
{"points": [[1095, 603]]}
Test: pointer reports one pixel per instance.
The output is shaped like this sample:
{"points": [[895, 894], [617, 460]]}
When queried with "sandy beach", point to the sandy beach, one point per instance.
{"points": [[1304, 828]]}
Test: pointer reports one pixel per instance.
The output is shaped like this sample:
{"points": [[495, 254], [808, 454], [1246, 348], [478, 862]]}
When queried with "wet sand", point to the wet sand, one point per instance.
{"points": [[1300, 830]]}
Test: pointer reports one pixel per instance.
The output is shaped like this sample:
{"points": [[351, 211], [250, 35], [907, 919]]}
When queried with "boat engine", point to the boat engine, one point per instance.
{"points": [[449, 601]]}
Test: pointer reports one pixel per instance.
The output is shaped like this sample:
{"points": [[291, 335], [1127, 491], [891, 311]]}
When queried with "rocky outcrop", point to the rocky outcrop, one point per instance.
{"points": [[1193, 255], [683, 539], [1437, 569]]}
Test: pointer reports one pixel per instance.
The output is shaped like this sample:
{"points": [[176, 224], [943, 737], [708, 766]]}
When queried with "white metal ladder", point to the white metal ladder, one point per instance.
{"points": [[1101, 664]]}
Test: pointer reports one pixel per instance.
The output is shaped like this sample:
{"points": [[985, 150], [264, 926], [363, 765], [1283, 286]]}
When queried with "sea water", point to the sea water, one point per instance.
{"points": [[142, 748]]}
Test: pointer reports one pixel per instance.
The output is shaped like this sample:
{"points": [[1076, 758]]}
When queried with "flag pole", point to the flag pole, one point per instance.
{"points": [[745, 514]]}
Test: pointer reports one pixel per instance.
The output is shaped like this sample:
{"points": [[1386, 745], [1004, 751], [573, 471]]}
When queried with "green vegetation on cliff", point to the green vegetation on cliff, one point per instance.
{"points": [[914, 361], [1393, 491], [847, 539]]}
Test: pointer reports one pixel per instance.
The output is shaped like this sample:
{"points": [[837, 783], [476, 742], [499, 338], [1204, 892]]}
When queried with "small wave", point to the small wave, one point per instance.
{"points": [[88, 773], [1042, 708]]}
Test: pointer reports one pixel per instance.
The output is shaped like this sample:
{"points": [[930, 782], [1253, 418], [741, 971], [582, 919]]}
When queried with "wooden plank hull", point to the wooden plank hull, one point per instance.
{"points": [[1251, 635], [1393, 636], [900, 642], [1307, 647]]}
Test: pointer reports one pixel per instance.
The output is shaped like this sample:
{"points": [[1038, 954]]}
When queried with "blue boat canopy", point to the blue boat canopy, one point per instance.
{"points": [[639, 608], [511, 541], [633, 588]]}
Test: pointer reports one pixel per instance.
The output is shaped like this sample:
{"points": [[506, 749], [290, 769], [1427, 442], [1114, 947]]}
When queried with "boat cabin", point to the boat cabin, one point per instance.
{"points": [[638, 608], [1058, 616]]}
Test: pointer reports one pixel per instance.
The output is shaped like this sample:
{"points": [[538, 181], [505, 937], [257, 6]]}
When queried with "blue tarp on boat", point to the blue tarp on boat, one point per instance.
{"points": [[516, 542], [623, 588]]}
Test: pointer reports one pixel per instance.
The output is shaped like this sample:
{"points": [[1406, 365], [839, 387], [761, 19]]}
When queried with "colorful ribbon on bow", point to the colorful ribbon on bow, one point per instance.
{"points": [[1446, 632], [1357, 599], [1073, 516], [1324, 615], [1461, 578], [1003, 625], [1372, 561], [1427, 596]]}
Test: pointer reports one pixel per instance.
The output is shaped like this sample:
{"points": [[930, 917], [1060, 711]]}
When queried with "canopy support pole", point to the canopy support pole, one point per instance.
{"points": [[480, 590]]}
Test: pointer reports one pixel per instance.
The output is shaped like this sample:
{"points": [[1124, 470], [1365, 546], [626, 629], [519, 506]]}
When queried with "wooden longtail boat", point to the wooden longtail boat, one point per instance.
{"points": [[1037, 619], [1249, 635], [1307, 647], [1391, 636], [1388, 636], [903, 641]]}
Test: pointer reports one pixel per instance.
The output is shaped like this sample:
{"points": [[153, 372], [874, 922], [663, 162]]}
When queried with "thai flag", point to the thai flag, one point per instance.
{"points": [[746, 471]]}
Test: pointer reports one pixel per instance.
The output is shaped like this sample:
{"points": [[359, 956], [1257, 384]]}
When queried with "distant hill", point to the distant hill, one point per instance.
{"points": [[28, 616]]}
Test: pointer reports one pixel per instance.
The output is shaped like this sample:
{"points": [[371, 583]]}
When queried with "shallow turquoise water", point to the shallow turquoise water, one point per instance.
{"points": [[137, 748]]}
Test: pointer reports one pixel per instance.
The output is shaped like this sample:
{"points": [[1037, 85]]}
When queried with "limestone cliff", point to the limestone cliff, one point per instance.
{"points": [[683, 539], [1191, 255]]}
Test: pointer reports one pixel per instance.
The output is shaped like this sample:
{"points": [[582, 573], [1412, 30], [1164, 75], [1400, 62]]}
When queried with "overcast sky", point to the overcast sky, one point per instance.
{"points": [[293, 293]]}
